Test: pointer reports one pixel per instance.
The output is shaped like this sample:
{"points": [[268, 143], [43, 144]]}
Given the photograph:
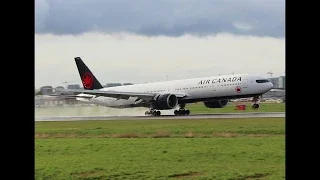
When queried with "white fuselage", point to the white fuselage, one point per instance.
{"points": [[197, 89]]}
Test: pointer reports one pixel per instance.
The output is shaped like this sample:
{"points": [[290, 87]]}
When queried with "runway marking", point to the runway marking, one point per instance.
{"points": [[194, 116]]}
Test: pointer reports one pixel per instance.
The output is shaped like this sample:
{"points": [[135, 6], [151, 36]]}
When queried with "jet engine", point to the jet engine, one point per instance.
{"points": [[166, 101], [216, 104]]}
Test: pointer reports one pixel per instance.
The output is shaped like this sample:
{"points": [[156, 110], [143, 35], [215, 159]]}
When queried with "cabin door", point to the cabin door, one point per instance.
{"points": [[245, 83]]}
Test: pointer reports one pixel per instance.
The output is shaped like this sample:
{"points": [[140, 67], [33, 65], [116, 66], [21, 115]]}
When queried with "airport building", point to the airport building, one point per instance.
{"points": [[41, 100], [45, 90], [73, 86], [282, 82], [278, 82], [58, 88], [279, 88], [112, 84], [275, 82], [116, 84], [124, 84], [278, 93]]}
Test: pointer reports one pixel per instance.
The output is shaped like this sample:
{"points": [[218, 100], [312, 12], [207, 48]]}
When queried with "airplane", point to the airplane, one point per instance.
{"points": [[214, 92]]}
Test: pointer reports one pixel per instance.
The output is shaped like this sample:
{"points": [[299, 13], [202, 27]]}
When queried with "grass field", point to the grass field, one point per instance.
{"points": [[198, 108], [231, 149]]}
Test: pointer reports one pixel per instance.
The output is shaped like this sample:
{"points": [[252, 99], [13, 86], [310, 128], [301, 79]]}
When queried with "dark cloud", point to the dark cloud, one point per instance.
{"points": [[162, 17]]}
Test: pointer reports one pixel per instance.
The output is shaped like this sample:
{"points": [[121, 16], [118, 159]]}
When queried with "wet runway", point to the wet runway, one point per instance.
{"points": [[195, 116]]}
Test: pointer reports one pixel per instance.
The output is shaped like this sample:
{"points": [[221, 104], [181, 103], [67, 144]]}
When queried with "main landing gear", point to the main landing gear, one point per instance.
{"points": [[153, 112], [182, 111]]}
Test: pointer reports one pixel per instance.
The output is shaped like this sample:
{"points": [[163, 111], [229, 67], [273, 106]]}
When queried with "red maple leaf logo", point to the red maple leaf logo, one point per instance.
{"points": [[87, 80], [238, 89]]}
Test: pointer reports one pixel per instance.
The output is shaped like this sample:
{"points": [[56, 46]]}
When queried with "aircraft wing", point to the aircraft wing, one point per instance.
{"points": [[117, 94], [70, 96]]}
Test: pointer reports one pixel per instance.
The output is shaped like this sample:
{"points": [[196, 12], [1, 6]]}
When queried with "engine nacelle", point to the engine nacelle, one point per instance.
{"points": [[216, 104], [166, 101]]}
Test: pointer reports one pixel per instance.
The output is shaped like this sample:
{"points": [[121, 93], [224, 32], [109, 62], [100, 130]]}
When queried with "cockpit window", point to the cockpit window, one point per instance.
{"points": [[262, 80]]}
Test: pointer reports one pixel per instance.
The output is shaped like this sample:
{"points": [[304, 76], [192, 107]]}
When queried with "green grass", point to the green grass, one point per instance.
{"points": [[231, 149], [250, 126]]}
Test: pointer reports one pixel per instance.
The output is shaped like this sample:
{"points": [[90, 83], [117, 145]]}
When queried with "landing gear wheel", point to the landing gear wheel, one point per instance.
{"points": [[181, 112], [154, 113], [176, 112], [255, 100]]}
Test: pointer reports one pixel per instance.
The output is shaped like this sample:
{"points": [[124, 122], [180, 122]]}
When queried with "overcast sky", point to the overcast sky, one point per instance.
{"points": [[149, 40]]}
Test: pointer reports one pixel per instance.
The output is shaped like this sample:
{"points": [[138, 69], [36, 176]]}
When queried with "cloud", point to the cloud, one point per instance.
{"points": [[128, 57], [242, 26], [163, 17]]}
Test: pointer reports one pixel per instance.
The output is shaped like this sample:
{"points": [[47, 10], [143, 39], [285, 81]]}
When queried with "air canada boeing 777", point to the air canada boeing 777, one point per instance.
{"points": [[214, 92]]}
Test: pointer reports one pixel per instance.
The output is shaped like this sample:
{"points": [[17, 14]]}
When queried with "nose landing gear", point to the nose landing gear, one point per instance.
{"points": [[256, 101]]}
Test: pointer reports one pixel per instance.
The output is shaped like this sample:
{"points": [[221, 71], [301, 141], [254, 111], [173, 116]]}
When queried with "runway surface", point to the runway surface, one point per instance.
{"points": [[195, 116]]}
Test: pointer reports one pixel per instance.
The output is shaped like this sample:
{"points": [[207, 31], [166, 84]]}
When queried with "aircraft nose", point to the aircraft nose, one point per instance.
{"points": [[270, 86]]}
